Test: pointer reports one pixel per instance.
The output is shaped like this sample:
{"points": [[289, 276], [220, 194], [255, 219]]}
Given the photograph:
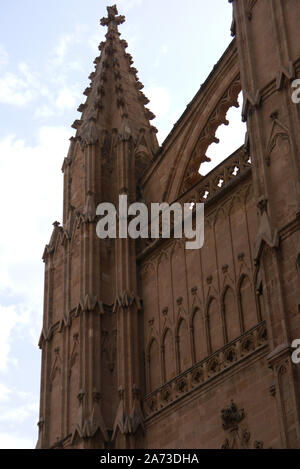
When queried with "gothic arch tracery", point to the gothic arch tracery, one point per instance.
{"points": [[247, 303]]}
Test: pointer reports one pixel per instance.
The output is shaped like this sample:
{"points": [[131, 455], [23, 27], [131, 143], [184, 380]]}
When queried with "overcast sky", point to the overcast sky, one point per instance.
{"points": [[46, 55]]}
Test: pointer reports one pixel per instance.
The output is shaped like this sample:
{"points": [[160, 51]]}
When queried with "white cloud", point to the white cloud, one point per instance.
{"points": [[65, 43], [28, 211], [35, 172], [3, 56], [15, 90], [95, 39], [4, 393], [13, 441], [45, 111], [16, 409], [164, 49], [160, 105], [74, 66], [159, 100], [62, 47], [22, 87], [9, 319], [28, 75], [126, 5], [67, 98], [20, 413], [61, 100]]}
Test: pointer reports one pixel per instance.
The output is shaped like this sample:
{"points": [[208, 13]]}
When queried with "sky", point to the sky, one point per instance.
{"points": [[46, 55]]}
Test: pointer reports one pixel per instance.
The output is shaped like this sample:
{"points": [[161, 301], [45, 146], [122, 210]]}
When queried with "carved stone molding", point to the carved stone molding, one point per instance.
{"points": [[250, 102], [86, 305], [231, 416], [207, 369], [285, 74], [126, 300], [219, 178]]}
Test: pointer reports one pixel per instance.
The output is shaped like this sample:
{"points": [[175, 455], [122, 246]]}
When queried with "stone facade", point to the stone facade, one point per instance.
{"points": [[149, 345]]}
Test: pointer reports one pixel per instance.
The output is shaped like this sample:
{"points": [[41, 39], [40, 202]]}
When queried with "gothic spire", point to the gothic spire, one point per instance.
{"points": [[115, 101]]}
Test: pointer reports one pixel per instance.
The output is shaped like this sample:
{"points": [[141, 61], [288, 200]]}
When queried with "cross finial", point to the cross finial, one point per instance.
{"points": [[112, 18]]}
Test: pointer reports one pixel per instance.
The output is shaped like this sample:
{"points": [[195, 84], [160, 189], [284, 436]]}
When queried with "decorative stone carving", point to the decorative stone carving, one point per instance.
{"points": [[126, 300], [88, 133], [262, 205], [136, 418], [279, 136], [121, 419], [250, 102], [238, 437], [112, 19], [212, 366], [285, 75], [235, 166], [89, 212], [96, 421], [56, 367], [80, 426], [231, 416]]}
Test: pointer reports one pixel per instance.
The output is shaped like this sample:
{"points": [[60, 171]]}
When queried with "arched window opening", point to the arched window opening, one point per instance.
{"points": [[229, 138]]}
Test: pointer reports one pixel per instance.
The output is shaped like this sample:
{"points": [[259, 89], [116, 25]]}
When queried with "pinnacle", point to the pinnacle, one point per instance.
{"points": [[114, 97]]}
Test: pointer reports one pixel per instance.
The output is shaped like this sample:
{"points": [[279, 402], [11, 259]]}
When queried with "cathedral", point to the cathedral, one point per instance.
{"points": [[146, 344]]}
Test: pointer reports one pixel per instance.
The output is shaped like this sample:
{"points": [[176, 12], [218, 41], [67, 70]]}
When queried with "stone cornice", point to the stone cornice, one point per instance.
{"points": [[203, 374], [209, 183], [89, 304]]}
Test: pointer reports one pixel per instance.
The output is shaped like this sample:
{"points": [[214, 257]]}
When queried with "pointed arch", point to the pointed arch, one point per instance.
{"points": [[231, 314], [154, 378], [198, 336], [168, 356], [75, 267], [219, 214], [77, 177], [55, 371], [207, 135], [73, 380], [247, 303], [59, 263], [259, 293], [183, 345], [215, 325], [55, 398], [74, 353]]}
